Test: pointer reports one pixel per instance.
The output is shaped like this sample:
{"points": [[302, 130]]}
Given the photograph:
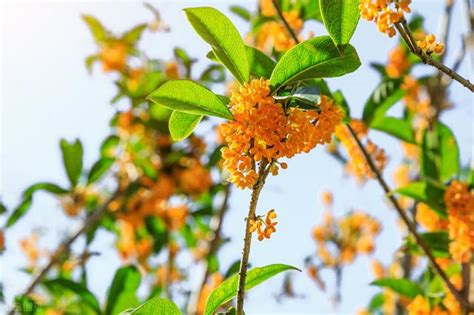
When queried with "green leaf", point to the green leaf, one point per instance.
{"points": [[85, 295], [182, 124], [219, 32], [99, 169], [382, 99], [341, 101], [123, 290], [376, 302], [132, 36], [424, 192], [438, 242], [89, 61], [340, 18], [19, 211], [401, 286], [108, 146], [311, 10], [396, 127], [449, 153], [182, 56], [261, 66], [48, 187], [314, 58], [241, 12], [228, 289], [72, 159], [189, 97], [98, 31], [156, 305]]}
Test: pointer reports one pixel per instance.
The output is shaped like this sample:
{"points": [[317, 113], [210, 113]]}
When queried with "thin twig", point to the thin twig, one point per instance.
{"points": [[287, 26], [410, 225], [257, 188], [64, 247], [425, 58]]}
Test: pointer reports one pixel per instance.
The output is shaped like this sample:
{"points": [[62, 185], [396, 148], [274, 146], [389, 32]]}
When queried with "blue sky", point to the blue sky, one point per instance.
{"points": [[46, 94]]}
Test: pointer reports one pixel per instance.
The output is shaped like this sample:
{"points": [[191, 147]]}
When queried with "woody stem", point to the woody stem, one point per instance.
{"points": [[257, 188]]}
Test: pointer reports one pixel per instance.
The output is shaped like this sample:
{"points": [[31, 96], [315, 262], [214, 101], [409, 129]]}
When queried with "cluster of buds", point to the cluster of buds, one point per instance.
{"points": [[429, 45], [385, 13], [258, 222]]}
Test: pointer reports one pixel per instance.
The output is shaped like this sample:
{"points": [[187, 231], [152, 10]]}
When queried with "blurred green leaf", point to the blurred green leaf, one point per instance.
{"points": [[132, 36], [241, 12], [48, 187], [376, 302], [449, 153], [72, 159], [314, 58], [404, 287], [156, 306], [395, 127], [98, 31], [82, 292], [189, 97], [341, 101], [261, 66], [123, 290], [99, 169], [426, 193], [228, 289], [219, 32], [108, 146], [214, 74], [385, 95], [19, 211]]}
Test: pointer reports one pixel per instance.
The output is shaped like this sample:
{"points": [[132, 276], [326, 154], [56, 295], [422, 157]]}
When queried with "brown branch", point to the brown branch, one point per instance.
{"points": [[410, 225], [257, 188], [65, 246], [407, 36], [213, 246], [287, 26]]}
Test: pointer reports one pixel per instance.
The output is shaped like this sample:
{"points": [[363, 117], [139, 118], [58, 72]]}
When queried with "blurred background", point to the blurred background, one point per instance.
{"points": [[47, 94]]}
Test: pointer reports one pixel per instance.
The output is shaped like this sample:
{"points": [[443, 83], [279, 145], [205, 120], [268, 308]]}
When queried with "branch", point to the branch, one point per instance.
{"points": [[257, 188], [407, 36], [65, 246], [410, 225], [287, 26], [213, 246]]}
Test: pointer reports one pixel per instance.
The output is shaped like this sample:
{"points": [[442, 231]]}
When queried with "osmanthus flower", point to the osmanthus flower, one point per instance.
{"points": [[429, 45], [421, 305], [459, 199], [357, 164], [257, 224], [29, 246], [385, 13], [263, 129], [113, 56]]}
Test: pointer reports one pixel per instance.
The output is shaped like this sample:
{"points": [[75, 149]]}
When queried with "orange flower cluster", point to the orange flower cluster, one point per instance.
{"points": [[357, 164], [113, 56], [459, 201], [262, 130], [195, 178], [428, 219], [421, 306], [257, 223], [275, 35], [29, 246], [385, 13], [429, 45], [397, 63]]}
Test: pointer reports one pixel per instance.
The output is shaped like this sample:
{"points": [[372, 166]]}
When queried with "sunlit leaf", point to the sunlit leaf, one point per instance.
{"points": [[99, 169], [241, 12], [398, 128], [182, 124], [382, 99], [82, 292], [123, 290], [98, 31], [157, 306], [72, 159], [404, 287], [340, 18]]}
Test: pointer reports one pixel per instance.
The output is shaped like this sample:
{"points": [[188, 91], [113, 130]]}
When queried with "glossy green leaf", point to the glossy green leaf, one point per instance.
{"points": [[99, 169], [401, 286], [182, 124], [157, 306], [314, 58], [261, 66], [82, 292], [395, 127], [382, 99], [72, 159], [340, 18], [228, 289], [123, 290], [219, 32], [19, 211], [424, 192], [189, 97], [98, 31]]}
